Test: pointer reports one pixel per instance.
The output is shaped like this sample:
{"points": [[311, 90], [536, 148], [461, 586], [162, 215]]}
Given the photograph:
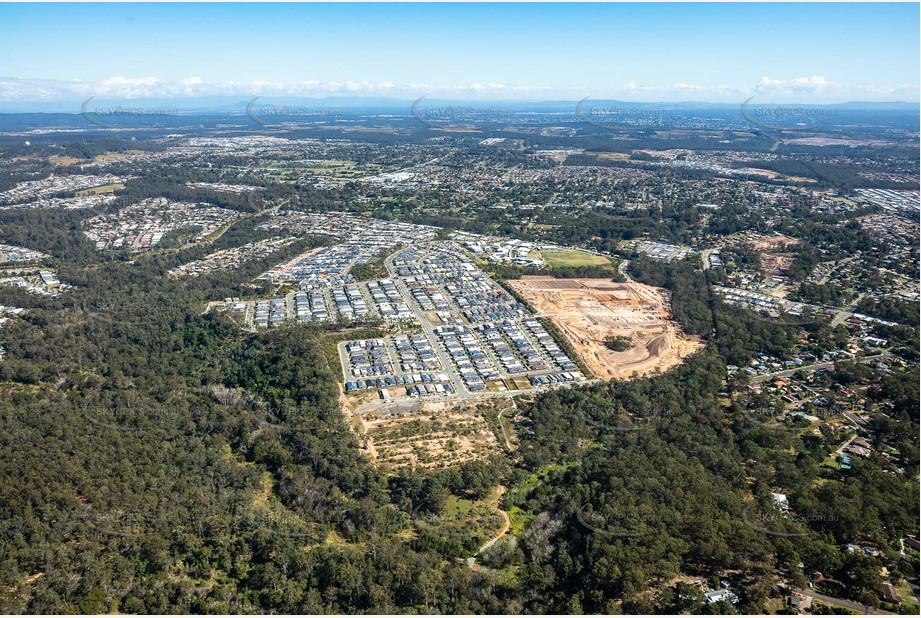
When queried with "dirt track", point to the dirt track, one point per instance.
{"points": [[590, 310]]}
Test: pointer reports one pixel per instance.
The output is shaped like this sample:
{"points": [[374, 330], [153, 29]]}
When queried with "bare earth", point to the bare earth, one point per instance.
{"points": [[418, 434], [590, 310], [776, 264], [768, 243]]}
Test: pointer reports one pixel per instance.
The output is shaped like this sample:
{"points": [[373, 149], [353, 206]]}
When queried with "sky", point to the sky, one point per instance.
{"points": [[805, 53]]}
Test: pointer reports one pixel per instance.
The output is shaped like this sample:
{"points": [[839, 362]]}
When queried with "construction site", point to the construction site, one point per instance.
{"points": [[590, 312]]}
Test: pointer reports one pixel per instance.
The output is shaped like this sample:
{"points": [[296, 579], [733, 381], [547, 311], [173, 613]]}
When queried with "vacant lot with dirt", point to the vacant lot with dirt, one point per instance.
{"points": [[590, 311], [771, 243], [419, 434]]}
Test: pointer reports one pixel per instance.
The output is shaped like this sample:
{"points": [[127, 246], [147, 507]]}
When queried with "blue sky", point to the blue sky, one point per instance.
{"points": [[809, 53]]}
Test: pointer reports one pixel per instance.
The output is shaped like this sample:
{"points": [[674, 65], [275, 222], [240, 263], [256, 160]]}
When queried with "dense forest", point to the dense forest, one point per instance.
{"points": [[158, 460]]}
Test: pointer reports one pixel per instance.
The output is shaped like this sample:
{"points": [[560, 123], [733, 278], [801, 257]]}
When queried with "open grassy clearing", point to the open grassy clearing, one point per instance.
{"points": [[570, 257], [102, 189]]}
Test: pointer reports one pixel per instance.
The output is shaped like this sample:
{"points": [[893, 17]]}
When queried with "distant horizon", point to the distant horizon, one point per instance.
{"points": [[237, 103], [810, 53], [107, 93]]}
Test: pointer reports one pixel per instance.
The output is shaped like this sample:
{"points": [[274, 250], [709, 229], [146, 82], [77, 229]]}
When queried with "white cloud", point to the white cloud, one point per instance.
{"points": [[815, 88], [807, 89]]}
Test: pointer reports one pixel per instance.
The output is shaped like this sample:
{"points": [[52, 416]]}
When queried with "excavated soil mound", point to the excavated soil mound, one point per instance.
{"points": [[589, 311]]}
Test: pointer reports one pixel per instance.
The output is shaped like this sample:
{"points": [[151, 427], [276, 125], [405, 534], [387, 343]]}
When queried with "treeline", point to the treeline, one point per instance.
{"points": [[737, 334], [150, 452], [9, 179], [892, 309], [89, 149], [149, 448], [594, 271], [651, 479], [821, 294], [837, 175], [171, 186], [373, 268], [55, 232], [692, 305], [604, 231]]}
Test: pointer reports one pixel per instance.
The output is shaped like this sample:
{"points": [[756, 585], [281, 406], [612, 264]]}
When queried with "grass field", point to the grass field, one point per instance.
{"points": [[328, 167], [63, 161], [103, 189], [570, 257], [518, 383]]}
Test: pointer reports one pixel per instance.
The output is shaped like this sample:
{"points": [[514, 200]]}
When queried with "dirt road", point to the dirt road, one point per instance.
{"points": [[505, 527]]}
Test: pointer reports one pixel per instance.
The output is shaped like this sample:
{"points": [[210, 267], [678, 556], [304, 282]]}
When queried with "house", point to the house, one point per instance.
{"points": [[890, 594], [858, 450], [867, 549], [717, 596], [780, 502]]}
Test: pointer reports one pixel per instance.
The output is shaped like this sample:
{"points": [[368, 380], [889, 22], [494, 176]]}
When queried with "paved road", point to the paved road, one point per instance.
{"points": [[857, 607], [786, 373], [427, 328], [857, 422], [461, 392], [846, 444], [823, 365], [914, 589], [705, 257], [848, 311], [446, 361], [346, 364], [842, 314], [414, 403], [622, 269]]}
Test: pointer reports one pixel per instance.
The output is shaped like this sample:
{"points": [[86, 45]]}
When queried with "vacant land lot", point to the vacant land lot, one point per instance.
{"points": [[564, 258], [63, 161], [776, 264], [588, 311], [769, 243], [430, 435], [103, 189]]}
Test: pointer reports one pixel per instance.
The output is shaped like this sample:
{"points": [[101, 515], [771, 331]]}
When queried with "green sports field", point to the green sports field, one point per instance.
{"points": [[570, 257]]}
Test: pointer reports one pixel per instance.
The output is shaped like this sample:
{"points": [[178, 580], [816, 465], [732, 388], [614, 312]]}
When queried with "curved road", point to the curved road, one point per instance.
{"points": [[823, 365], [852, 605]]}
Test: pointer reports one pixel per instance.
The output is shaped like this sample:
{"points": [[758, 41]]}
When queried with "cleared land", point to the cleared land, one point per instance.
{"points": [[426, 435], [776, 264], [769, 243], [102, 189], [63, 161], [567, 257], [588, 311]]}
